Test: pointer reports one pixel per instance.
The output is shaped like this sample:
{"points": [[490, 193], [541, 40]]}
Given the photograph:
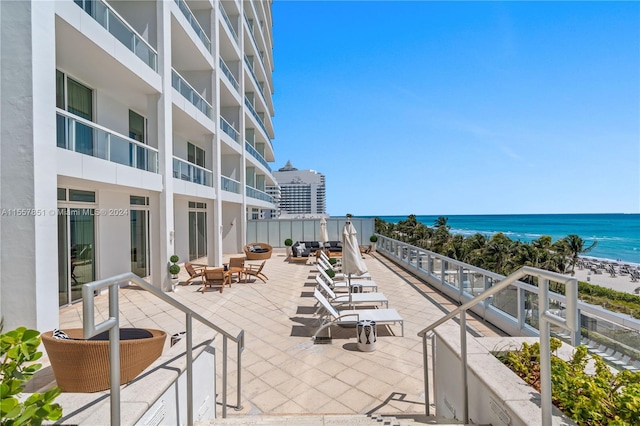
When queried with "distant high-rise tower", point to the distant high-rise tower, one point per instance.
{"points": [[302, 192]]}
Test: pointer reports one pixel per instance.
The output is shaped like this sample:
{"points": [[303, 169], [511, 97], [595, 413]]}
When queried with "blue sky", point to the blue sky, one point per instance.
{"points": [[424, 107]]}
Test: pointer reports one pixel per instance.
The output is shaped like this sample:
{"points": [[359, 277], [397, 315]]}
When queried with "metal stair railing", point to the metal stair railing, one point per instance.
{"points": [[112, 324], [545, 317]]}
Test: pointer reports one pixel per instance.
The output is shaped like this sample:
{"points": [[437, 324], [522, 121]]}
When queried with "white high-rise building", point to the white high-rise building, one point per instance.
{"points": [[301, 193], [131, 131]]}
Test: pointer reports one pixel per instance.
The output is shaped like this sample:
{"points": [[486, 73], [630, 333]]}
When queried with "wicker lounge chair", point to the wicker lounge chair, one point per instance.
{"points": [[255, 271], [194, 270], [258, 251], [83, 365], [217, 276]]}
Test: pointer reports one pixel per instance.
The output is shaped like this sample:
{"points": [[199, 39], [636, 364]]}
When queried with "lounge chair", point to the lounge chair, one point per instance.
{"points": [[356, 298], [255, 271], [332, 316], [258, 251], [194, 270], [370, 285], [339, 275], [217, 276]]}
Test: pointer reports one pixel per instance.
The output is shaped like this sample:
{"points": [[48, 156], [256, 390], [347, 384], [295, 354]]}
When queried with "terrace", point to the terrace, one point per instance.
{"points": [[284, 373]]}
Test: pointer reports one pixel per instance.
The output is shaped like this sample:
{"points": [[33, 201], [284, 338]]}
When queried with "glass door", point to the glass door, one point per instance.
{"points": [[63, 258], [197, 234], [139, 242]]}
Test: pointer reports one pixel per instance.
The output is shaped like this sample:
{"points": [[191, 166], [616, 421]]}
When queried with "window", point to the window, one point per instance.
{"points": [[82, 196], [79, 99], [195, 155], [137, 127]]}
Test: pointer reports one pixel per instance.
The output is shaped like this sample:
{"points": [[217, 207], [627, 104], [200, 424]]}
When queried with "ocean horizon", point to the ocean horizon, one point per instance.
{"points": [[617, 234]]}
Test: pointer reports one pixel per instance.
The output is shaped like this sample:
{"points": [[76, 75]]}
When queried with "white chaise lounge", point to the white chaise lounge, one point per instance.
{"points": [[339, 275], [368, 285], [356, 298], [332, 316]]}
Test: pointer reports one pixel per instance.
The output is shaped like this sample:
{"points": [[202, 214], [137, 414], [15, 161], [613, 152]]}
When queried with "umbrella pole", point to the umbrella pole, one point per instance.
{"points": [[350, 297]]}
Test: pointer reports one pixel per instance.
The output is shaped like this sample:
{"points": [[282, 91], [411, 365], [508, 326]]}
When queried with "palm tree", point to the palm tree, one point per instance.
{"points": [[574, 248], [498, 252]]}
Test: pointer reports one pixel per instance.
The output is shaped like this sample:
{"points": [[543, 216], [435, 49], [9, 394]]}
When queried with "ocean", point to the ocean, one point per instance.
{"points": [[618, 235]]}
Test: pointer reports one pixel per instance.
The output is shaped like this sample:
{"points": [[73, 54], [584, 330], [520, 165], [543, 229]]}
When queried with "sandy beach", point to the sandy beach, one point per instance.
{"points": [[619, 282]]}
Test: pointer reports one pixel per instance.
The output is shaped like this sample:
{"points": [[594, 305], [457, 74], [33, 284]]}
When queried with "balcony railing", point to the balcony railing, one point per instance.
{"points": [[182, 5], [230, 185], [191, 172], [226, 19], [229, 130], [121, 30], [251, 150], [260, 195], [253, 37], [83, 136], [186, 90], [227, 72], [255, 115], [255, 78]]}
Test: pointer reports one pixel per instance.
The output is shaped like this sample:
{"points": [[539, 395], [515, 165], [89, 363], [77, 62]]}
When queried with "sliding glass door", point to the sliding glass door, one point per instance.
{"points": [[139, 242]]}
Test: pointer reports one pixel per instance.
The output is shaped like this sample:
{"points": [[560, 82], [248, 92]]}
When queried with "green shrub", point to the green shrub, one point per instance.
{"points": [[18, 351], [174, 259], [174, 269], [373, 238], [604, 398], [288, 242]]}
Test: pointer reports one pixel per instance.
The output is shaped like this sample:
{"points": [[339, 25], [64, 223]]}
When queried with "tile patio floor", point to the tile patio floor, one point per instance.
{"points": [[284, 372]]}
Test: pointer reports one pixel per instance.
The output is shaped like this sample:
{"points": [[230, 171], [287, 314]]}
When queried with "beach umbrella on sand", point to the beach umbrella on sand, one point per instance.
{"points": [[324, 235], [352, 262]]}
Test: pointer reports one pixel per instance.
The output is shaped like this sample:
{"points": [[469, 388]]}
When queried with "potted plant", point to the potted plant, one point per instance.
{"points": [[288, 243], [373, 239], [174, 268]]}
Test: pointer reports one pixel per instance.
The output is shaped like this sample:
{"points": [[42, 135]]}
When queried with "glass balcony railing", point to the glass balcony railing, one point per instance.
{"points": [[251, 150], [230, 185], [121, 30], [182, 5], [253, 37], [226, 19], [255, 115], [83, 136], [186, 90], [227, 72], [229, 130], [260, 195], [191, 173], [255, 79]]}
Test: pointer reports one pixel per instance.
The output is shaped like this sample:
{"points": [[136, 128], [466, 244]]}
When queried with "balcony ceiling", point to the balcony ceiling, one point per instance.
{"points": [[184, 54]]}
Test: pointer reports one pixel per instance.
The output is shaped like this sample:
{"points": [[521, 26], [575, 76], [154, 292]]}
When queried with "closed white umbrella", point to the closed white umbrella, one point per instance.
{"points": [[352, 262], [324, 235]]}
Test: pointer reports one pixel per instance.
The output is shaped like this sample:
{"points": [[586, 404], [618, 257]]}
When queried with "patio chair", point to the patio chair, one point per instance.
{"points": [[333, 316], [194, 270], [255, 271], [356, 298], [212, 277], [370, 285], [236, 266]]}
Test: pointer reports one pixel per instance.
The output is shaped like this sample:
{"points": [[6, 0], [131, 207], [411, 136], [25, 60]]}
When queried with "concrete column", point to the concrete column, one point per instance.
{"points": [[28, 224]]}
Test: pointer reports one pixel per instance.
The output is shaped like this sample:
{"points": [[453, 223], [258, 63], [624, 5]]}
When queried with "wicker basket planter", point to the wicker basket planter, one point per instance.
{"points": [[83, 365]]}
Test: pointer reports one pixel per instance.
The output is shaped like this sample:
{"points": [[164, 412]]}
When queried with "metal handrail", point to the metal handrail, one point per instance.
{"points": [[545, 317], [112, 324]]}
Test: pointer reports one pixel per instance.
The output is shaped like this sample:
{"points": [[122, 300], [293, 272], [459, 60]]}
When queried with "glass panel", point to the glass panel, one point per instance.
{"points": [[202, 234], [137, 127], [139, 242], [200, 157], [138, 201], [193, 239], [191, 153], [62, 194], [82, 196], [63, 258], [81, 232], [79, 100], [62, 131], [59, 89]]}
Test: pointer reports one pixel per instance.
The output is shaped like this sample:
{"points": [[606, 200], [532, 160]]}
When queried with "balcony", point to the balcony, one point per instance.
{"points": [[121, 30], [230, 185], [83, 136], [229, 130], [182, 5], [186, 90], [251, 150], [190, 172], [259, 195], [226, 19], [253, 37], [255, 79], [256, 116], [227, 72]]}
